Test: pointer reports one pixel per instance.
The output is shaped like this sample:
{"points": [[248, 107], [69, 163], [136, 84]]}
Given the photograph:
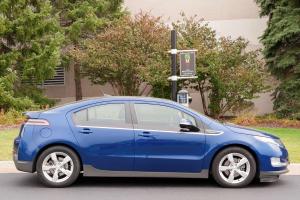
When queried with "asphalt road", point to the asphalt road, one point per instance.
{"points": [[27, 187]]}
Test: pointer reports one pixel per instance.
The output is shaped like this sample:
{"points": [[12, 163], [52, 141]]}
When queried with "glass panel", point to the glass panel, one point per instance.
{"points": [[107, 112], [80, 116], [189, 117], [157, 115], [100, 115]]}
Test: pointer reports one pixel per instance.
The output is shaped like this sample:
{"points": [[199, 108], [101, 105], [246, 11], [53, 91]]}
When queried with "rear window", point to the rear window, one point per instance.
{"points": [[101, 115]]}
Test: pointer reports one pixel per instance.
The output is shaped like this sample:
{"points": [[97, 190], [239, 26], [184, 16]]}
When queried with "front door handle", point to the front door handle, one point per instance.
{"points": [[85, 131]]}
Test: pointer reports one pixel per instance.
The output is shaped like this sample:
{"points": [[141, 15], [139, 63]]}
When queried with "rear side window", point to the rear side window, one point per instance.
{"points": [[101, 115]]}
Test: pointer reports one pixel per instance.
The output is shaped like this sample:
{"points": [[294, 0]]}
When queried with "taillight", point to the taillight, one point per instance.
{"points": [[21, 129], [37, 122]]}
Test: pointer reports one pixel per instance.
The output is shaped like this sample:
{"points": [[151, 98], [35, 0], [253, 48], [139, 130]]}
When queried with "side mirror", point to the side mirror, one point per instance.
{"points": [[187, 126]]}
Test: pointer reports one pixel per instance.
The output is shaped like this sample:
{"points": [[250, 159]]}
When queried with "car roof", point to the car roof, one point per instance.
{"points": [[85, 102], [77, 104]]}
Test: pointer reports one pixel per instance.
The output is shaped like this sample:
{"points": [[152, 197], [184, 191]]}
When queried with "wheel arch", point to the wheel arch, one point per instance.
{"points": [[52, 145], [249, 149]]}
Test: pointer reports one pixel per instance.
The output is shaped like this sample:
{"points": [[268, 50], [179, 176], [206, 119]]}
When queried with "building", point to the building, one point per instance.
{"points": [[228, 17]]}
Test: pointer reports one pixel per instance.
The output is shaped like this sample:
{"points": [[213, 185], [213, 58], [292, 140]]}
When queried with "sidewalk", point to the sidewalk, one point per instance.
{"points": [[9, 167]]}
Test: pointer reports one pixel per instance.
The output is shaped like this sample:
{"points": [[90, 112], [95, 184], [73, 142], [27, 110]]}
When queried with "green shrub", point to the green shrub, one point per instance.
{"points": [[11, 117], [21, 97], [8, 100], [36, 95]]}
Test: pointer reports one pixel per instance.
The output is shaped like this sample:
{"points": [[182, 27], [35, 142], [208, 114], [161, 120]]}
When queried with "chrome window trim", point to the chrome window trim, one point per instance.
{"points": [[152, 130]]}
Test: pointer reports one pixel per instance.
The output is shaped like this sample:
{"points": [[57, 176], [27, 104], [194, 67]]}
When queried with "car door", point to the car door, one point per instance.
{"points": [[160, 145], [106, 136]]}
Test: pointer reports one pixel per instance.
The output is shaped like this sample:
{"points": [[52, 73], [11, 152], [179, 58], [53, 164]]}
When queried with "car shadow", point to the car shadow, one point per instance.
{"points": [[31, 180]]}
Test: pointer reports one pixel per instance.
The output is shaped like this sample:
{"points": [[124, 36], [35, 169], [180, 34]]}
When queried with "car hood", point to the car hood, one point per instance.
{"points": [[248, 131]]}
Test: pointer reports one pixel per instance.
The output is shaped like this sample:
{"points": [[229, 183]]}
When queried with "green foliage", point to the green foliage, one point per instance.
{"points": [[128, 53], [7, 98], [30, 39], [35, 94], [287, 102], [30, 43], [236, 78], [230, 75], [11, 117], [81, 19], [281, 42]]}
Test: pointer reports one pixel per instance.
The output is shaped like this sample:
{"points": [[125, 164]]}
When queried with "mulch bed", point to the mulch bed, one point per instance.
{"points": [[7, 127], [271, 125]]}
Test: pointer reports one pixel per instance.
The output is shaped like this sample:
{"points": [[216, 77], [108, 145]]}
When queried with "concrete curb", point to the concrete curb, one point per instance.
{"points": [[9, 167]]}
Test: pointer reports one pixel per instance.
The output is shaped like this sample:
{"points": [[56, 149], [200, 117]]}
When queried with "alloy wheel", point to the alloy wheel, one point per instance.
{"points": [[234, 168], [57, 167]]}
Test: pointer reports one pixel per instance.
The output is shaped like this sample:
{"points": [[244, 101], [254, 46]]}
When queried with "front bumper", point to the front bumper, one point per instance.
{"points": [[271, 176]]}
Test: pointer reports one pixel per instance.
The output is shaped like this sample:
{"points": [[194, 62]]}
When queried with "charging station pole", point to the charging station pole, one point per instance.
{"points": [[173, 65]]}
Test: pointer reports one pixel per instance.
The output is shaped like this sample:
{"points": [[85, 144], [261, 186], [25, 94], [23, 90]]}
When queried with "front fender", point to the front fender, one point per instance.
{"points": [[262, 151]]}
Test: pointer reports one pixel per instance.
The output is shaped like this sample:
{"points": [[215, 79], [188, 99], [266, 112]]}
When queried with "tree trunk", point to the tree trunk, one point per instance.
{"points": [[77, 79], [204, 105]]}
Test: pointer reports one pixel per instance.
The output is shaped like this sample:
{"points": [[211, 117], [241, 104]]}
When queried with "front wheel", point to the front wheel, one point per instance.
{"points": [[58, 166], [234, 167]]}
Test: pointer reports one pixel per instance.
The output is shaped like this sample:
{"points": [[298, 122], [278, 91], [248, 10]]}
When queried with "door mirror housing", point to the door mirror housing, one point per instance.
{"points": [[187, 126]]}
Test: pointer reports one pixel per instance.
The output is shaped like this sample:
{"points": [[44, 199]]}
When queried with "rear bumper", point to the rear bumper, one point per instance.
{"points": [[271, 176], [24, 166]]}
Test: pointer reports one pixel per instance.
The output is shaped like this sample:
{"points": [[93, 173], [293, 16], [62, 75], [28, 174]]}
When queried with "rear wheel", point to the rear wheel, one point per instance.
{"points": [[58, 166], [234, 167]]}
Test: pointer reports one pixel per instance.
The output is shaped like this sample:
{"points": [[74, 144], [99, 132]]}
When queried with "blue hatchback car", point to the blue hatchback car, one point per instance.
{"points": [[143, 137]]}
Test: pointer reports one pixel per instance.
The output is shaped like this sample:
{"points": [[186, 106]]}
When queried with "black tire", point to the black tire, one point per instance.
{"points": [[71, 154], [215, 167]]}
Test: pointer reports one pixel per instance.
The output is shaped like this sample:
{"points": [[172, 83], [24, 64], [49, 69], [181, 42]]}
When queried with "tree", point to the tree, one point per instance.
{"points": [[237, 77], [7, 95], [195, 34], [30, 39], [30, 43], [281, 42], [228, 74], [128, 53], [79, 19]]}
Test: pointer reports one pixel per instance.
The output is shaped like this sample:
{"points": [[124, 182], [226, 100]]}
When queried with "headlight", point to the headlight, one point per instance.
{"points": [[276, 142]]}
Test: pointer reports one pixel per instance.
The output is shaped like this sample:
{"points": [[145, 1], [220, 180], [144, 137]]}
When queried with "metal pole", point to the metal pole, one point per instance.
{"points": [[173, 64]]}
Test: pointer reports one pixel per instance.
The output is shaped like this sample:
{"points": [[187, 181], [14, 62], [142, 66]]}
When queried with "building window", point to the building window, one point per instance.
{"points": [[58, 79]]}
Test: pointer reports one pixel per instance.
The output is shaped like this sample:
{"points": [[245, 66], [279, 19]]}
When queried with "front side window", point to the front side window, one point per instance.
{"points": [[101, 115], [160, 117]]}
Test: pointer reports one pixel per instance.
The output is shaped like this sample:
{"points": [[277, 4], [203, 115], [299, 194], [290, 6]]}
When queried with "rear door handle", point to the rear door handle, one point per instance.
{"points": [[145, 134], [85, 131]]}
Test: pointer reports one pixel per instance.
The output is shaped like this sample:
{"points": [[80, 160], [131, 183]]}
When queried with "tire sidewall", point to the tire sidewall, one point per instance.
{"points": [[215, 167], [69, 152]]}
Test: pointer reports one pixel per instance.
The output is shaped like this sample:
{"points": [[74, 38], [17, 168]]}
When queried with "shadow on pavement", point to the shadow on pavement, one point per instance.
{"points": [[31, 180]]}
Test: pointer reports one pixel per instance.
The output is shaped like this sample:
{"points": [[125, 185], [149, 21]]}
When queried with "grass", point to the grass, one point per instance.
{"points": [[289, 136], [291, 139], [6, 143]]}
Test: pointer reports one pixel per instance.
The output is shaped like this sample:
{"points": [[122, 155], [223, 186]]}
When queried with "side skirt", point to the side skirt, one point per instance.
{"points": [[90, 171]]}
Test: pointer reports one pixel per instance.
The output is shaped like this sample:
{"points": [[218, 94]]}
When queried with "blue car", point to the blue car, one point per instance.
{"points": [[143, 137]]}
